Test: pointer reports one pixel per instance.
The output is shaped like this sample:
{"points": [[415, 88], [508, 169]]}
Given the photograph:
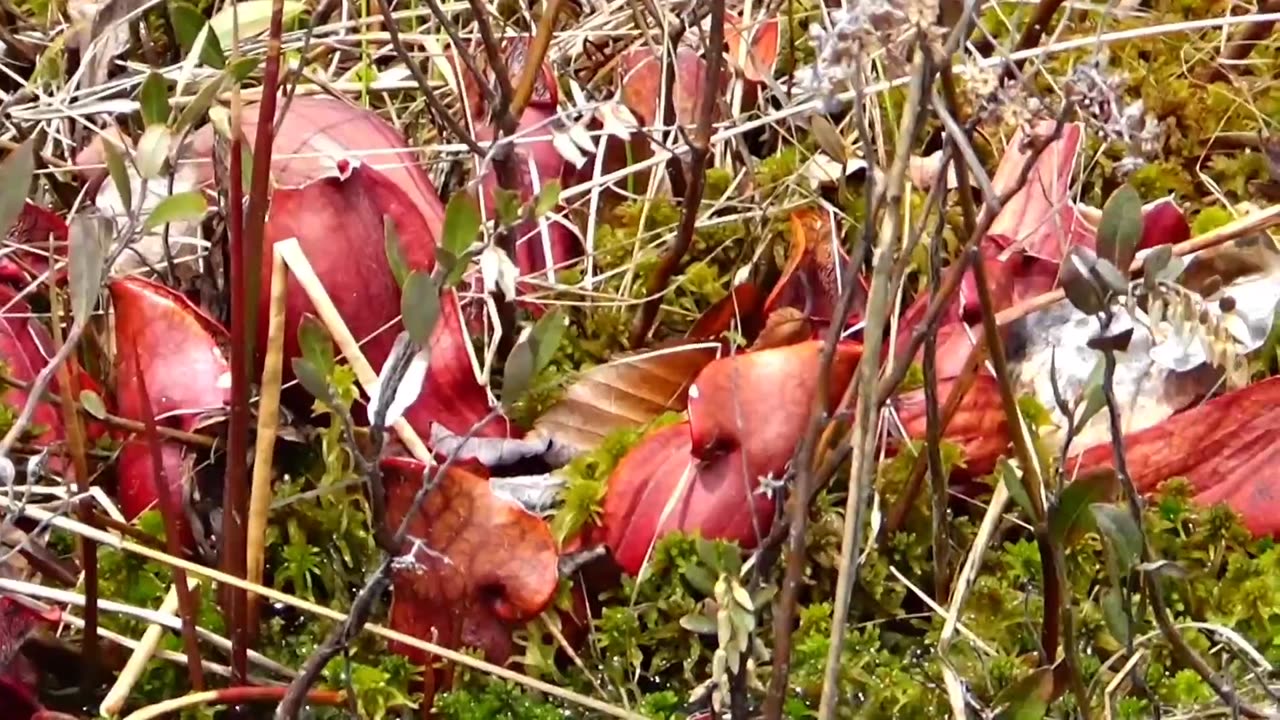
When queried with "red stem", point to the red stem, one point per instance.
{"points": [[170, 512], [246, 279], [253, 693]]}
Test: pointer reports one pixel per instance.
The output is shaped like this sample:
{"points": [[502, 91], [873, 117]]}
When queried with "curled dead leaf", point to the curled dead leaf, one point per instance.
{"points": [[739, 310], [19, 677], [811, 281], [785, 326], [37, 232]]}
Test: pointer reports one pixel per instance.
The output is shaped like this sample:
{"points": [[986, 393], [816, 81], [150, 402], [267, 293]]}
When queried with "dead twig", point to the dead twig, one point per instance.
{"points": [[695, 172]]}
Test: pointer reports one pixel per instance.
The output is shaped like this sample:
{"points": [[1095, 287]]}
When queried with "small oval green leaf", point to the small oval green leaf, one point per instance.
{"points": [[1073, 503], [548, 198], [698, 623], [517, 373], [461, 224], [154, 99], [1120, 229], [395, 254], [153, 151], [92, 404], [311, 379], [180, 207], [1123, 538], [87, 240], [119, 173], [315, 343], [420, 306], [15, 181]]}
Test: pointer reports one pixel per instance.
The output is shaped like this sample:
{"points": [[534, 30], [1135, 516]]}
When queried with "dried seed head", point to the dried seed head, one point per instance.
{"points": [[1098, 95]]}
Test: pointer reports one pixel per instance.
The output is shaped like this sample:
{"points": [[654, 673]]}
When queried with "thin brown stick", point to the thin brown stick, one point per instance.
{"points": [[246, 283], [695, 179], [537, 53], [231, 696], [80, 463], [867, 411], [1241, 47], [1057, 605], [116, 421], [433, 101]]}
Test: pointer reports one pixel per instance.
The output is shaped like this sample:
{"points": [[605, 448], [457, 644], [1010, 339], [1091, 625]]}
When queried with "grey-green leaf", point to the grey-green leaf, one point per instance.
{"points": [[1094, 397], [154, 99], [828, 137], [1078, 282], [420, 306], [507, 204], [315, 343], [1121, 533], [1073, 503], [1111, 278], [1154, 263], [92, 404], [1114, 615], [239, 71], [311, 379], [15, 182], [517, 373], [545, 336], [153, 151], [1120, 229], [1017, 490], [698, 623], [395, 254], [180, 207], [119, 173], [88, 237], [188, 23], [461, 224], [199, 105], [700, 579]]}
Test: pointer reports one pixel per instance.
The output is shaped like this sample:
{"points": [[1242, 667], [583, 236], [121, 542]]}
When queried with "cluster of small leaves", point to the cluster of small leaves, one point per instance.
{"points": [[1096, 284], [728, 614]]}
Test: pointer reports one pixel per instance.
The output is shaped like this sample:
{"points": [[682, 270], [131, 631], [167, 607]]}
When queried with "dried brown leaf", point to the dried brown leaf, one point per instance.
{"points": [[627, 392]]}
